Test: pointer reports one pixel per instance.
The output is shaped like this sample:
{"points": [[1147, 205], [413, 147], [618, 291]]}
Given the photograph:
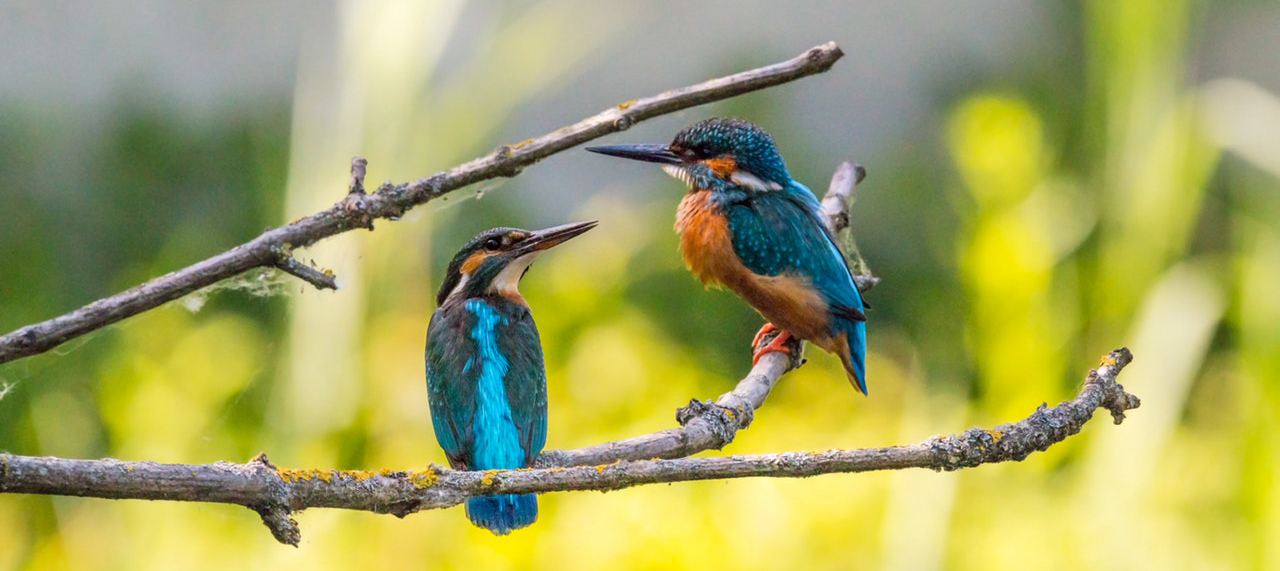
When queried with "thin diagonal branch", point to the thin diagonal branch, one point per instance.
{"points": [[704, 426], [392, 201], [275, 493], [836, 204]]}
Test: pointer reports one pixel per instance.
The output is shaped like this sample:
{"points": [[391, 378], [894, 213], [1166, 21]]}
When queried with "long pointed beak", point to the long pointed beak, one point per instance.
{"points": [[550, 237], [649, 153]]}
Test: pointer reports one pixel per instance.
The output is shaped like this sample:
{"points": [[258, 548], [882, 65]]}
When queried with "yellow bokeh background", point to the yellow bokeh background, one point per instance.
{"points": [[1140, 211]]}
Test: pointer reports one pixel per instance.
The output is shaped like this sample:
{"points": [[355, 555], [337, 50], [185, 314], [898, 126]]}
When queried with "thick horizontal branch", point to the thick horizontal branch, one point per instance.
{"points": [[275, 493], [358, 210]]}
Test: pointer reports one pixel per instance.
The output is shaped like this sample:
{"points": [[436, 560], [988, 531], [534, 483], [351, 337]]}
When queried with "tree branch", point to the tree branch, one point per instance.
{"points": [[703, 426], [275, 493], [359, 210], [836, 205]]}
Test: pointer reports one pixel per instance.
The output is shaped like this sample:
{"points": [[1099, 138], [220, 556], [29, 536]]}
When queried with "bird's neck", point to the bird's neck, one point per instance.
{"points": [[502, 302]]}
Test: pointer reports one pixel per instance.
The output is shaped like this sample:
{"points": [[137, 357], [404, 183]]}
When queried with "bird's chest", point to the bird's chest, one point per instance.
{"points": [[705, 239]]}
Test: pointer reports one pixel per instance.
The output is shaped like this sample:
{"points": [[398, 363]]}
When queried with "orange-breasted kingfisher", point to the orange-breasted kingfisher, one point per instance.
{"points": [[747, 225], [486, 382]]}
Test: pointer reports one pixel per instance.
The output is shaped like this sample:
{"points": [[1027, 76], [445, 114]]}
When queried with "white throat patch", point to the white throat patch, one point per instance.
{"points": [[508, 280], [679, 173]]}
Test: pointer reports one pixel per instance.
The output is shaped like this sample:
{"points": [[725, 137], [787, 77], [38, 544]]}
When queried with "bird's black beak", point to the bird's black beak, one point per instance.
{"points": [[540, 240], [660, 154]]}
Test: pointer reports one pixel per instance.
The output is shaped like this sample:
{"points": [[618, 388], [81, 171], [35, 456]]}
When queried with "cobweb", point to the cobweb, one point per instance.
{"points": [[259, 282]]}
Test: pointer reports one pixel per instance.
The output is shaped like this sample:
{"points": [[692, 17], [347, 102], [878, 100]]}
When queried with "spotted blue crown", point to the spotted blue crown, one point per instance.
{"points": [[750, 146]]}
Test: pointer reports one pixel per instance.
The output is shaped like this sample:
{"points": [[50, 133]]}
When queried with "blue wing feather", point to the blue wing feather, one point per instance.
{"points": [[781, 232], [451, 383]]}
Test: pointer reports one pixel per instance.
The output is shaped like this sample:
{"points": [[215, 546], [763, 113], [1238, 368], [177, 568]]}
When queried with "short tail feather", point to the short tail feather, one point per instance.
{"points": [[501, 514]]}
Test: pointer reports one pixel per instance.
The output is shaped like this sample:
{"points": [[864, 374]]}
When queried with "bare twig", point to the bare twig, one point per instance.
{"points": [[836, 205], [274, 493], [321, 279], [358, 167], [839, 196], [391, 201]]}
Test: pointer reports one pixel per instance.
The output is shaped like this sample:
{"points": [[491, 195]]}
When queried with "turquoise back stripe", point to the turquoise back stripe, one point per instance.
{"points": [[496, 441]]}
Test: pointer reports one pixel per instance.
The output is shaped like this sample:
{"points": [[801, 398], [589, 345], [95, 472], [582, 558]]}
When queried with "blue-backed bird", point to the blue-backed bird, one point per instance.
{"points": [[747, 225], [486, 382]]}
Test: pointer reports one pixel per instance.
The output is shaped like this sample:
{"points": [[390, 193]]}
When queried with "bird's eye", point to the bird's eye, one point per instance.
{"points": [[492, 244]]}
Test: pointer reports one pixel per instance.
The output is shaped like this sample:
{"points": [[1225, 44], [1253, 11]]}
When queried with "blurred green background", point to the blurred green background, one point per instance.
{"points": [[1048, 181]]}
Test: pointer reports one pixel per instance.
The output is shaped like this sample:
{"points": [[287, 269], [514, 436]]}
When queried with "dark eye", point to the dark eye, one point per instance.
{"points": [[492, 244]]}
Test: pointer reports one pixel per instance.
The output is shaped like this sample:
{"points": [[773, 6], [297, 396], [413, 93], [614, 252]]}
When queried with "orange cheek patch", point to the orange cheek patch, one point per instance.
{"points": [[473, 262], [723, 167]]}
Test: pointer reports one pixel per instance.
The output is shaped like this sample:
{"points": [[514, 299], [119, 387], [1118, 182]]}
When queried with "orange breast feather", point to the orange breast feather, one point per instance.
{"points": [[788, 301]]}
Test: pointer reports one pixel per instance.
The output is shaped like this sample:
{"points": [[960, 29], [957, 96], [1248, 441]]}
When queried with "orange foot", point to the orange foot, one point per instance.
{"points": [[778, 344]]}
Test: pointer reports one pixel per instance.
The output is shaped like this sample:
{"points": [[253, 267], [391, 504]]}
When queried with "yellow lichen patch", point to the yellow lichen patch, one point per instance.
{"points": [[294, 476], [487, 479], [995, 435], [600, 468], [359, 475], [1107, 361], [625, 104], [422, 479], [522, 143]]}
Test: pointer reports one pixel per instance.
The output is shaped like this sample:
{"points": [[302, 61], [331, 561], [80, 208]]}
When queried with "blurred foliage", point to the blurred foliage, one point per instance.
{"points": [[1054, 211]]}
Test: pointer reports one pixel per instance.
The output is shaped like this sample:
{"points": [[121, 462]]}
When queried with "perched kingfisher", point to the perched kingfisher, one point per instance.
{"points": [[747, 225], [485, 379]]}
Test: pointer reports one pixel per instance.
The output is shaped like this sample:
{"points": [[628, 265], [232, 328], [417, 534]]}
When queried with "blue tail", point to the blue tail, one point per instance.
{"points": [[501, 514], [853, 352], [858, 354]]}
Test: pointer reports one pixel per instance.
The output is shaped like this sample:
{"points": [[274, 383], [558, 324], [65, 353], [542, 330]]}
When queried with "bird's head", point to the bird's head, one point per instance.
{"points": [[494, 261], [713, 154]]}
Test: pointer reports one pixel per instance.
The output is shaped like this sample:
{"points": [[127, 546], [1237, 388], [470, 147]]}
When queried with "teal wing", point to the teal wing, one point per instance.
{"points": [[451, 381], [781, 232]]}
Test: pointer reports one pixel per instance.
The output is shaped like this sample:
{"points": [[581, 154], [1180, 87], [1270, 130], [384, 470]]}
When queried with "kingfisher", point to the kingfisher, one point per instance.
{"points": [[745, 224], [486, 382]]}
